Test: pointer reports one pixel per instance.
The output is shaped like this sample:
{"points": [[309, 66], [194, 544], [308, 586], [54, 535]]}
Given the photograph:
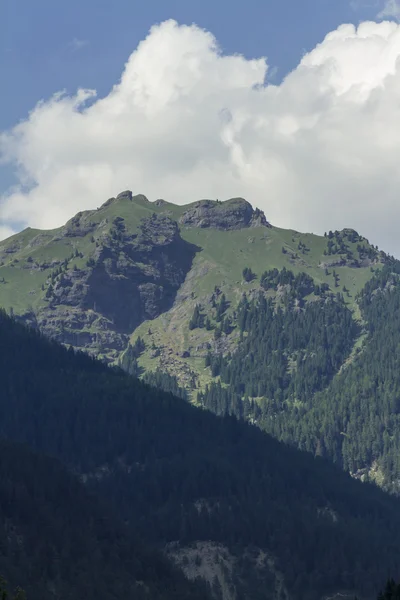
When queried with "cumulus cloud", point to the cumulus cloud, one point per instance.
{"points": [[391, 9], [6, 232], [318, 151]]}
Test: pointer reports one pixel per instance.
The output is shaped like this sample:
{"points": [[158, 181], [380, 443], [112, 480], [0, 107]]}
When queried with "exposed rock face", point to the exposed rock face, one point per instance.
{"points": [[131, 278], [126, 273], [225, 570], [233, 214], [93, 281], [126, 194], [79, 225]]}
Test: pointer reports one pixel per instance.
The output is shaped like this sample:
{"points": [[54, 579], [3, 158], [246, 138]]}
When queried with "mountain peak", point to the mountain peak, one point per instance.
{"points": [[126, 194], [235, 213]]}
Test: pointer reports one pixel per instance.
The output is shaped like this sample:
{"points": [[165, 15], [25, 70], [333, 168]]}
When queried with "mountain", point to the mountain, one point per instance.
{"points": [[57, 540], [213, 303], [97, 282], [253, 517]]}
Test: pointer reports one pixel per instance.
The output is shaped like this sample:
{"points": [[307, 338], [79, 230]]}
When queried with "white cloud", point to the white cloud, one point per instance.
{"points": [[6, 232], [391, 9], [319, 151]]}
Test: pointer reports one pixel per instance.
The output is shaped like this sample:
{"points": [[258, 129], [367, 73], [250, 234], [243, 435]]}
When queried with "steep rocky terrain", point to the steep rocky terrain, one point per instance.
{"points": [[103, 276], [134, 268]]}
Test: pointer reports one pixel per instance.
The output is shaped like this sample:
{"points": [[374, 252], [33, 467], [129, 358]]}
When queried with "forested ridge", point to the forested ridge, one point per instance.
{"points": [[363, 402], [311, 375], [286, 353], [174, 472], [58, 541]]}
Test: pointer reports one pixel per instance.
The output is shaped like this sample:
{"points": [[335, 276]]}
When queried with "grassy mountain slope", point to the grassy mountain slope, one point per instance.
{"points": [[224, 256], [287, 524], [133, 268]]}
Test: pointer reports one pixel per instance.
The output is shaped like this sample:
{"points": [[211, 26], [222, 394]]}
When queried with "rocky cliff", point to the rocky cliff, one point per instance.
{"points": [[134, 267], [233, 214], [129, 278], [93, 281]]}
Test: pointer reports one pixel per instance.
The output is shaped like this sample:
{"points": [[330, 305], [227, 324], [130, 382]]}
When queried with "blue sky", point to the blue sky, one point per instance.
{"points": [[51, 45]]}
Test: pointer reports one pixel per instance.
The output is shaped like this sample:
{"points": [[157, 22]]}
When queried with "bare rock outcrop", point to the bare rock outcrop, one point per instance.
{"points": [[232, 214]]}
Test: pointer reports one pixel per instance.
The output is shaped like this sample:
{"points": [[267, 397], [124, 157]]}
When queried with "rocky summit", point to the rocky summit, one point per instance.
{"points": [[233, 214], [134, 267], [91, 283]]}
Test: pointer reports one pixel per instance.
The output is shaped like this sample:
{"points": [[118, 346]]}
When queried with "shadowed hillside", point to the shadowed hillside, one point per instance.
{"points": [[291, 524]]}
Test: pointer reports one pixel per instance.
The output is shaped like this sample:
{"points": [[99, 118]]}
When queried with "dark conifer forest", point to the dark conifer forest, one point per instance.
{"points": [[151, 458], [316, 388], [58, 541]]}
